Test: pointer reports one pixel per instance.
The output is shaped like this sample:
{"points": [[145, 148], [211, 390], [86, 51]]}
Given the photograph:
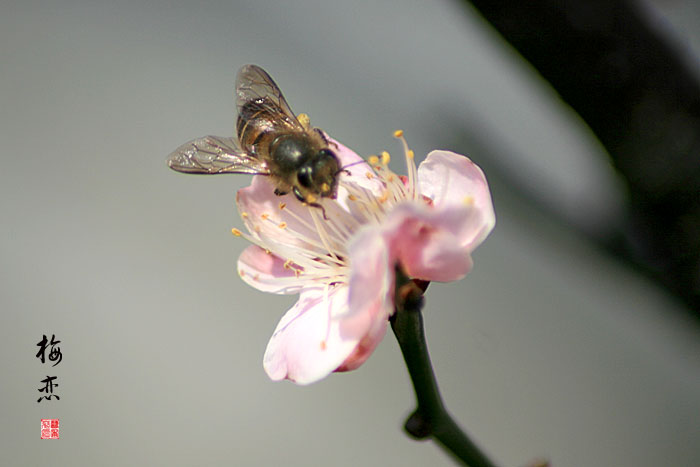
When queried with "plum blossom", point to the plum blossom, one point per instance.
{"points": [[341, 258]]}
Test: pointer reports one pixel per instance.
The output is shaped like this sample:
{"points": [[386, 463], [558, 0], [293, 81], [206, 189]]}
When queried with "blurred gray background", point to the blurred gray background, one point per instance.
{"points": [[547, 349]]}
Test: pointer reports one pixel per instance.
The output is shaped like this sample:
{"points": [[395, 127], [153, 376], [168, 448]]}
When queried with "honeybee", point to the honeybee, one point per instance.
{"points": [[270, 140]]}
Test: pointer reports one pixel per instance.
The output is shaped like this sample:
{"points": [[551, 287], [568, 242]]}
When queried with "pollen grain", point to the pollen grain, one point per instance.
{"points": [[304, 120], [386, 157]]}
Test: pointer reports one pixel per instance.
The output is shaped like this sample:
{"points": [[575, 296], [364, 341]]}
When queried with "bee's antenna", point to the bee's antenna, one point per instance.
{"points": [[345, 167]]}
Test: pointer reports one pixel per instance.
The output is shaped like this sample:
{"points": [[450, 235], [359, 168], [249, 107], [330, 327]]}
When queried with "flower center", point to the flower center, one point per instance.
{"points": [[314, 247]]}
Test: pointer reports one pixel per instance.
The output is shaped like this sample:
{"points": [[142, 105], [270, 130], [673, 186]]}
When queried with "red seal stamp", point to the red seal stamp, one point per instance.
{"points": [[49, 428]]}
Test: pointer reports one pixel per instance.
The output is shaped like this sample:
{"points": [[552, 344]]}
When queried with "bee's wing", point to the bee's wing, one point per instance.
{"points": [[255, 90], [214, 155]]}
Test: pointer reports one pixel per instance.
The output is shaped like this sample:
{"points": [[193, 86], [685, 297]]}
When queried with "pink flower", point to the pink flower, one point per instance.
{"points": [[342, 265]]}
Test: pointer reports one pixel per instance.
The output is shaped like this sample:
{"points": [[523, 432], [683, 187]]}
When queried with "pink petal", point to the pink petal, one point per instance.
{"points": [[371, 295], [354, 173], [372, 271], [307, 344], [365, 347], [266, 272], [338, 333], [427, 241], [450, 179], [279, 220]]}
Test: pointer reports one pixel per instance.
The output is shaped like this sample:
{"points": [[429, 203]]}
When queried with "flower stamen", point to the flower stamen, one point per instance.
{"points": [[410, 164], [322, 234], [333, 222], [328, 315], [386, 158]]}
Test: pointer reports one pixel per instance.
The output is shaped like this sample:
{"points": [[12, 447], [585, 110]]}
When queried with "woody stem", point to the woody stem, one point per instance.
{"points": [[430, 419]]}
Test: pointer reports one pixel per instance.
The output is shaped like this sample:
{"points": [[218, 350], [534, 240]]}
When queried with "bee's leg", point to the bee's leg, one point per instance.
{"points": [[298, 194], [279, 192], [301, 198], [323, 210]]}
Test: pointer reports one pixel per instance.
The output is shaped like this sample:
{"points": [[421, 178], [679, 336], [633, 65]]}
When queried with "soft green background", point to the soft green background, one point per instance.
{"points": [[548, 348]]}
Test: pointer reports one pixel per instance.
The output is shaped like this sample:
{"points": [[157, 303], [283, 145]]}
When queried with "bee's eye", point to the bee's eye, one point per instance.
{"points": [[304, 175], [325, 153]]}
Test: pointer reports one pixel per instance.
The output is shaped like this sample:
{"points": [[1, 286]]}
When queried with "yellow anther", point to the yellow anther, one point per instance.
{"points": [[398, 133], [287, 264], [468, 200], [304, 120], [244, 215], [268, 251], [264, 216], [369, 175], [411, 155], [310, 198], [352, 197], [236, 232], [282, 225], [391, 178], [282, 205], [385, 196], [385, 158], [373, 160], [325, 187]]}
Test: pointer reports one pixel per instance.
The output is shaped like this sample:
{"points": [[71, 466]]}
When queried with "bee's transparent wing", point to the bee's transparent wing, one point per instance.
{"points": [[257, 92], [214, 155]]}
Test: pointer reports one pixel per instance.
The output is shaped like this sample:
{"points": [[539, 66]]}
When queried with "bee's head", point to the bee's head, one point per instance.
{"points": [[319, 174]]}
